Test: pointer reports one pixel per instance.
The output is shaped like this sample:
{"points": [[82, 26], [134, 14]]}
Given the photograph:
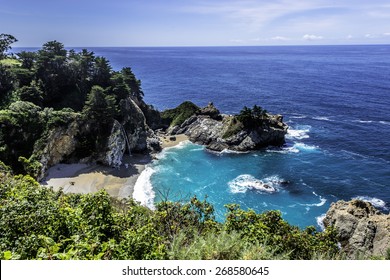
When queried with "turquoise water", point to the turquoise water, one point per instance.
{"points": [[189, 169], [302, 176]]}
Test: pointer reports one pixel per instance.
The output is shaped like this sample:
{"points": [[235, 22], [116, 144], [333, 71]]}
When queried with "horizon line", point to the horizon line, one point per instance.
{"points": [[215, 46]]}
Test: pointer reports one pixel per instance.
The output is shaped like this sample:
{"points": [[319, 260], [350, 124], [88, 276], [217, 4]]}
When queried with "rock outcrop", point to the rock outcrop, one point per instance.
{"points": [[220, 132], [80, 142], [61, 143], [117, 144], [362, 229]]}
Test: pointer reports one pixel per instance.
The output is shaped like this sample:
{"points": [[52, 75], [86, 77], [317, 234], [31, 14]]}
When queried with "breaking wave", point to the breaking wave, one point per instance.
{"points": [[143, 189], [320, 221], [245, 182], [376, 202], [299, 133]]}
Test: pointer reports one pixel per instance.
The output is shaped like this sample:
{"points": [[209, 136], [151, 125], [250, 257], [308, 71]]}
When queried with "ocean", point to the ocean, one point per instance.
{"points": [[335, 99]]}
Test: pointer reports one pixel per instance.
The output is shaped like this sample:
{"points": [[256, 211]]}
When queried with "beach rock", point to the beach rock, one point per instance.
{"points": [[211, 111], [362, 229], [140, 136], [214, 130], [153, 142], [134, 123], [116, 146]]}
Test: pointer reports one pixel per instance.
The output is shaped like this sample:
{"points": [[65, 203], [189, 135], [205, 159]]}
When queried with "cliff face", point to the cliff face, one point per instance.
{"points": [[362, 228], [82, 141], [219, 132]]}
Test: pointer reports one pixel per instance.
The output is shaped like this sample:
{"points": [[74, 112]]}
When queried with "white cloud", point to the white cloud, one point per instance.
{"points": [[334, 20], [237, 41], [386, 34], [280, 38], [311, 37]]}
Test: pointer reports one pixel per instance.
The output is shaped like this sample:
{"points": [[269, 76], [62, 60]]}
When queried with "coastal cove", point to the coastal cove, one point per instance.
{"points": [[85, 178], [335, 149], [280, 152], [334, 99]]}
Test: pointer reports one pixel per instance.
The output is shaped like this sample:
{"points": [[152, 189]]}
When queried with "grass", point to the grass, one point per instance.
{"points": [[10, 62], [233, 128], [179, 114]]}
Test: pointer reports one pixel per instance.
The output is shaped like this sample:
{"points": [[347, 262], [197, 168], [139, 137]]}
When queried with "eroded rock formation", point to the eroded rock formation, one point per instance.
{"points": [[362, 229], [219, 132]]}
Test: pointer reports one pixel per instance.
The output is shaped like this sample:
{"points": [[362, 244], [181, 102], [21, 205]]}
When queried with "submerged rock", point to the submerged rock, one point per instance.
{"points": [[362, 229]]}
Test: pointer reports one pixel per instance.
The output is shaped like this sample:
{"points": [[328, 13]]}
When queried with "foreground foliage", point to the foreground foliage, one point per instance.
{"points": [[38, 223]]}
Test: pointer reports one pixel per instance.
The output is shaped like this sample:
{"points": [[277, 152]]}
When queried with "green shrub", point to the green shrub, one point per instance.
{"points": [[179, 114], [234, 127]]}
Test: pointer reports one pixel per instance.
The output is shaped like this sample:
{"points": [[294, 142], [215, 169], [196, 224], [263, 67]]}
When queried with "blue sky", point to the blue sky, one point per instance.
{"points": [[196, 22]]}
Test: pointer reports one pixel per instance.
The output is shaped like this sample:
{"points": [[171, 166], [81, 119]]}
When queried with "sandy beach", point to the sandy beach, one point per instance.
{"points": [[89, 178], [171, 141]]}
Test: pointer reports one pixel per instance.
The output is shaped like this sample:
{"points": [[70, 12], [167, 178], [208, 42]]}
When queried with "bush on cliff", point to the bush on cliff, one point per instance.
{"points": [[178, 115], [252, 118]]}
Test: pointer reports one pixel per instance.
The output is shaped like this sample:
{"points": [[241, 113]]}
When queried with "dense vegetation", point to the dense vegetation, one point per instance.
{"points": [[247, 119], [252, 117], [53, 87], [178, 115], [38, 223]]}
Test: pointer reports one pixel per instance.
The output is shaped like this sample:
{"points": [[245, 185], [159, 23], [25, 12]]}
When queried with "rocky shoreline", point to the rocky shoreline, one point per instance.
{"points": [[363, 231], [220, 132]]}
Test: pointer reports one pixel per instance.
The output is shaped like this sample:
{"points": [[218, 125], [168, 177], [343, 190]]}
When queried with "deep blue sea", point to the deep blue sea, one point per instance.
{"points": [[335, 99]]}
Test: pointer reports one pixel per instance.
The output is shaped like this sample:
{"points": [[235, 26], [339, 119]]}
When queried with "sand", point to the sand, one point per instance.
{"points": [[84, 178], [90, 178], [167, 142]]}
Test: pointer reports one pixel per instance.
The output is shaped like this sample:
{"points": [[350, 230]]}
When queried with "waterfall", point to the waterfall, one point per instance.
{"points": [[126, 138]]}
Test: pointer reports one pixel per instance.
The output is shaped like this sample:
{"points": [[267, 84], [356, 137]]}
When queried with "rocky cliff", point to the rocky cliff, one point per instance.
{"points": [[85, 141], [362, 229], [219, 132]]}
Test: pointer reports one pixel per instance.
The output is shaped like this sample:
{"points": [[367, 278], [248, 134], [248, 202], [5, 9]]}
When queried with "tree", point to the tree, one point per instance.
{"points": [[99, 106], [52, 70], [134, 84], [27, 59], [6, 85], [6, 40], [101, 72], [251, 118], [31, 93]]}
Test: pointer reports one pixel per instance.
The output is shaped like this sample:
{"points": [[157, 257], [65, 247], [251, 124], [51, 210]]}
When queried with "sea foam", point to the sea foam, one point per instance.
{"points": [[320, 118], [245, 182], [320, 221], [319, 204], [143, 189], [299, 133], [376, 202], [304, 147]]}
